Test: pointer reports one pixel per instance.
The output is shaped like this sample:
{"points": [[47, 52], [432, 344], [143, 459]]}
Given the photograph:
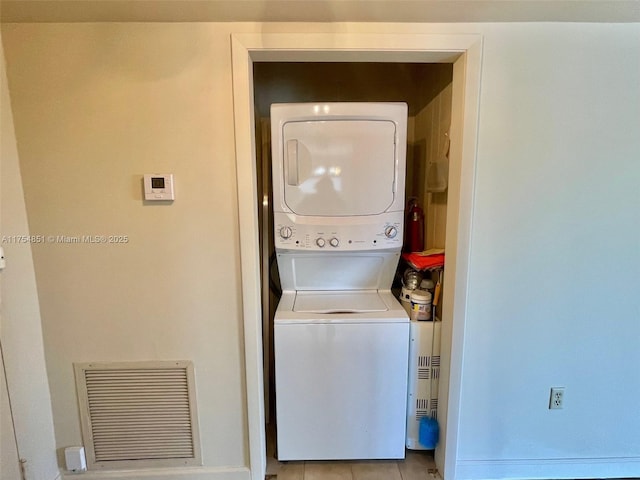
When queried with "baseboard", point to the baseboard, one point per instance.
{"points": [[610, 467], [192, 473]]}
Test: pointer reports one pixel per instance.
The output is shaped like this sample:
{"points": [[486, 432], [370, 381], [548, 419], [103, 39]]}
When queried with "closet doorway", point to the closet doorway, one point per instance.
{"points": [[463, 53]]}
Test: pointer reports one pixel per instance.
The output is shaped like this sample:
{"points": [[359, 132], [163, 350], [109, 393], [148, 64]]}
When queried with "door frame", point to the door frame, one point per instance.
{"points": [[464, 51]]}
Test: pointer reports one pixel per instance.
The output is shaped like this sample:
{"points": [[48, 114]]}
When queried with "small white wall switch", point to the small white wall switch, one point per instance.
{"points": [[158, 186], [75, 459]]}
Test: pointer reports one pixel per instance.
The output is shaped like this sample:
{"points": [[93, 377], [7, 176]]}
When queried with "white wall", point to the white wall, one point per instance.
{"points": [[22, 343], [96, 107], [554, 258], [555, 263]]}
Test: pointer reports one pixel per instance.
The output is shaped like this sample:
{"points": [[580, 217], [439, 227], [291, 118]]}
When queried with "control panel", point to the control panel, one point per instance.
{"points": [[384, 234], [158, 187]]}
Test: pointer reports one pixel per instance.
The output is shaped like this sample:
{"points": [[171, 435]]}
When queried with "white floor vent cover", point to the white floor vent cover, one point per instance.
{"points": [[138, 414]]}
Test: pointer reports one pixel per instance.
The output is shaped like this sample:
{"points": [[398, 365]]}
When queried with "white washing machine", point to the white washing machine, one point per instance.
{"points": [[341, 338]]}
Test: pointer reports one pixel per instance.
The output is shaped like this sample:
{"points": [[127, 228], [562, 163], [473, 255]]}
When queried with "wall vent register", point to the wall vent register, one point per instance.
{"points": [[140, 414]]}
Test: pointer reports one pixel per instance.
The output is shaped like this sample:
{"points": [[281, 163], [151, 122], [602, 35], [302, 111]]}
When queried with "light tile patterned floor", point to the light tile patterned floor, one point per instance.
{"points": [[416, 466]]}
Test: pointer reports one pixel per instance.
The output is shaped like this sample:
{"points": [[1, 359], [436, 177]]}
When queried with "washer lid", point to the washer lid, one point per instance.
{"points": [[339, 302]]}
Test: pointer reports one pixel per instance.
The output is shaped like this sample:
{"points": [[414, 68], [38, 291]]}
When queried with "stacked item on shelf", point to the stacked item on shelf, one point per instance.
{"points": [[431, 259]]}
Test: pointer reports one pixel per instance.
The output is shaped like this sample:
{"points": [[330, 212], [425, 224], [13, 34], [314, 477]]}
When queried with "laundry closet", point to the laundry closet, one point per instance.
{"points": [[426, 90]]}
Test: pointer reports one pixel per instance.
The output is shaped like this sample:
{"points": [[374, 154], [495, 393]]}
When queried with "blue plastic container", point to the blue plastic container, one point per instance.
{"points": [[428, 433]]}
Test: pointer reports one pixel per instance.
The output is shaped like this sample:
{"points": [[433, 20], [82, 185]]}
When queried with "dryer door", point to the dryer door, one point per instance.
{"points": [[339, 167]]}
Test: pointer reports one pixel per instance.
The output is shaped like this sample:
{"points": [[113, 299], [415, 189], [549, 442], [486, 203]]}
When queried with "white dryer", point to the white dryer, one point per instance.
{"points": [[340, 337]]}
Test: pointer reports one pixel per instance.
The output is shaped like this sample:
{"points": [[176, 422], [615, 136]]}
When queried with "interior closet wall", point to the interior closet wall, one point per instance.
{"points": [[432, 125], [426, 88]]}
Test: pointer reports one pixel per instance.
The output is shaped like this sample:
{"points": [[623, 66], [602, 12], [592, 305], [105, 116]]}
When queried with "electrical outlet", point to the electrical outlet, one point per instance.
{"points": [[556, 399]]}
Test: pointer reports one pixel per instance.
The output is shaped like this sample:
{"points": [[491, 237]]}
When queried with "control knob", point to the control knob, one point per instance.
{"points": [[334, 242], [320, 242], [390, 232], [286, 232]]}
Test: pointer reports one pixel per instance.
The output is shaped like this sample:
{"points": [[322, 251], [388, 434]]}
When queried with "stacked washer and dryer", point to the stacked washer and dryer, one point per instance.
{"points": [[341, 338]]}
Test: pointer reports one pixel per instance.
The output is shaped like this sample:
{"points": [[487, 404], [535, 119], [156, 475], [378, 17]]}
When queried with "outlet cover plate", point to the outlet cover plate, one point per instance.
{"points": [[556, 399]]}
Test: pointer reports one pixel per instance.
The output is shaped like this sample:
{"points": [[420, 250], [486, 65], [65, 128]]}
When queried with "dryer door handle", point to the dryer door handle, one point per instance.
{"points": [[292, 162]]}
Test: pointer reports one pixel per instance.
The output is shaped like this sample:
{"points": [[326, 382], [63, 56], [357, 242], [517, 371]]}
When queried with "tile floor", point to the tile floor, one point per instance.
{"points": [[416, 466]]}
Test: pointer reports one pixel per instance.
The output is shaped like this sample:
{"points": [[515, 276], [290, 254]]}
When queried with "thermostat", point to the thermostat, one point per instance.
{"points": [[158, 186]]}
